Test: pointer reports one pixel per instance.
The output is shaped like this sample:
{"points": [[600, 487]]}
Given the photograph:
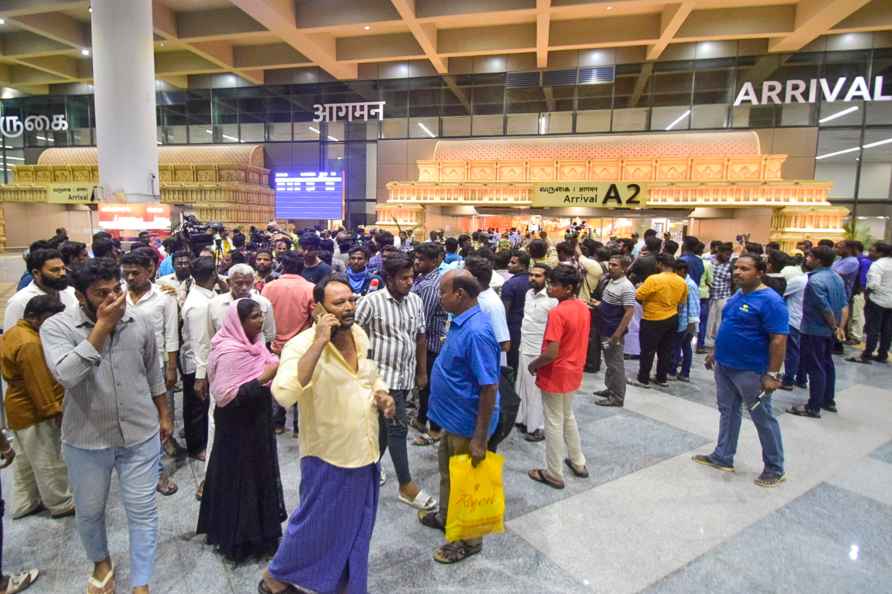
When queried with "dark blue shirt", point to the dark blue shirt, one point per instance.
{"points": [[748, 321], [451, 257], [695, 266], [514, 294], [468, 359], [316, 273], [825, 291]]}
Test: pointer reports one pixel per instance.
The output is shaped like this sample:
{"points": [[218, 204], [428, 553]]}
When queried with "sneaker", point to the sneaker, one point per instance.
{"points": [[636, 382], [706, 460], [770, 479]]}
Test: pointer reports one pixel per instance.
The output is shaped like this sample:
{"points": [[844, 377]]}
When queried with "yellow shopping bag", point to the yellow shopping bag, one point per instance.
{"points": [[476, 497]]}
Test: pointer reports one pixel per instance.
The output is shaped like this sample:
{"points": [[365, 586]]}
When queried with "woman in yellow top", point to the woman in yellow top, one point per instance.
{"points": [[660, 297]]}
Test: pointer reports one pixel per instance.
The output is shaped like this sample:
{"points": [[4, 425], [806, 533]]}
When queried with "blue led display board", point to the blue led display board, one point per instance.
{"points": [[309, 195]]}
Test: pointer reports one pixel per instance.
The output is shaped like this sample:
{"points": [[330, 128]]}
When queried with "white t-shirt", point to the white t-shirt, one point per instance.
{"points": [[490, 302]]}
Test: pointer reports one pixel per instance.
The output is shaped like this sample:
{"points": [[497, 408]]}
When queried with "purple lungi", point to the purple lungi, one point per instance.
{"points": [[326, 544]]}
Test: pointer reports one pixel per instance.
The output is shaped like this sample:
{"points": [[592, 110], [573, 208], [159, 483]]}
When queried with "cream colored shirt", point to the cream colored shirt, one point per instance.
{"points": [[338, 417]]}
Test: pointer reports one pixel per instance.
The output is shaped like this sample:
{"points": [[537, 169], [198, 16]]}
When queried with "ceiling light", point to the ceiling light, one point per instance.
{"points": [[312, 129], [877, 143], [367, 28], [90, 9], [679, 119], [834, 153], [2, 21], [162, 44], [838, 114], [427, 130], [85, 52], [609, 8], [209, 131], [543, 124], [232, 138], [333, 139]]}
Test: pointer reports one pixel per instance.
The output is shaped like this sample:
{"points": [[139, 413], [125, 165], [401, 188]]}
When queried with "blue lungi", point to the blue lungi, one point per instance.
{"points": [[326, 544]]}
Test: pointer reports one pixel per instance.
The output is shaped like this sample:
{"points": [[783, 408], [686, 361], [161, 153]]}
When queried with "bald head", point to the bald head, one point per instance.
{"points": [[458, 291]]}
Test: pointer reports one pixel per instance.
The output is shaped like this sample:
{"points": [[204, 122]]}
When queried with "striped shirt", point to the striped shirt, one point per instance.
{"points": [[721, 280], [393, 327], [108, 394], [427, 286]]}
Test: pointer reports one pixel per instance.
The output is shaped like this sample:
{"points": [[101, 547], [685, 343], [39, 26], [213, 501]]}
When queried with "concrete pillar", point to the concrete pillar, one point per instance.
{"points": [[124, 74]]}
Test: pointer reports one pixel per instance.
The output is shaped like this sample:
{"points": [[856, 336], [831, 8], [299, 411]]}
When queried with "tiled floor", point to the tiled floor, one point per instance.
{"points": [[647, 519]]}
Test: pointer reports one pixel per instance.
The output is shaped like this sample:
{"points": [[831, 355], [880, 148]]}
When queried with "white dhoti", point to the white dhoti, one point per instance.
{"points": [[530, 412], [212, 429]]}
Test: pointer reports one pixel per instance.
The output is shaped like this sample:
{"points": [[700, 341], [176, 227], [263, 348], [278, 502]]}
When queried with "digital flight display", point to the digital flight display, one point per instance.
{"points": [[309, 195]]}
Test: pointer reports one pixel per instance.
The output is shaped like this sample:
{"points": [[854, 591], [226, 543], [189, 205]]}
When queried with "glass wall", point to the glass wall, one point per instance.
{"points": [[854, 145]]}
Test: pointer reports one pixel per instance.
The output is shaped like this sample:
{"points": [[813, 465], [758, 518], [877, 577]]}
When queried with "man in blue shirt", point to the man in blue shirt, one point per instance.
{"points": [[749, 352], [514, 294], [695, 264], [464, 397], [825, 312]]}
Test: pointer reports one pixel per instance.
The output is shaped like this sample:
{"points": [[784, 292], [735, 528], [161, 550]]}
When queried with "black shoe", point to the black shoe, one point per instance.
{"points": [[521, 427], [537, 435], [638, 382], [802, 386], [830, 408], [801, 411], [609, 402], [661, 384], [786, 387], [708, 461], [602, 393], [881, 358], [683, 378], [769, 479]]}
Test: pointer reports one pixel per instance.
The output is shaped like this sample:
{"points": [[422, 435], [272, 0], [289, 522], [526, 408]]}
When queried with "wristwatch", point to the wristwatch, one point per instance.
{"points": [[775, 375]]}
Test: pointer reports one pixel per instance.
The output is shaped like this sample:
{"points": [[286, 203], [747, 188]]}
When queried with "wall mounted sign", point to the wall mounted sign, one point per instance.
{"points": [[311, 195], [332, 112], [70, 193], [134, 216], [13, 126], [593, 195], [816, 89]]}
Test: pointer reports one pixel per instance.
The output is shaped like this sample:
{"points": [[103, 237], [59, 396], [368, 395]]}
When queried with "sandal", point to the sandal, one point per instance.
{"points": [[166, 486], [199, 493], [262, 588], [21, 581], [423, 501], [106, 586], [454, 552], [861, 360], [580, 473], [424, 439], [431, 520], [540, 476], [415, 424], [537, 435]]}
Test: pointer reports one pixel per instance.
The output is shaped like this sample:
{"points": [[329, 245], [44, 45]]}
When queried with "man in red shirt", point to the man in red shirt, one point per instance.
{"points": [[292, 299], [558, 372]]}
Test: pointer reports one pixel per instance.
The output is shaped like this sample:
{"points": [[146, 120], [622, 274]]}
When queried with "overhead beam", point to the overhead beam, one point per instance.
{"points": [[64, 66], [273, 55], [543, 24], [425, 34], [220, 23], [486, 40], [24, 44], [606, 32], [180, 81], [279, 18], [813, 19], [738, 23], [671, 20], [876, 16], [59, 27], [641, 83], [14, 8]]}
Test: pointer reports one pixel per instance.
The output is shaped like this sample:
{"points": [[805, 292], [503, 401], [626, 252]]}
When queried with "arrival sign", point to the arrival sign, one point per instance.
{"points": [[592, 195]]}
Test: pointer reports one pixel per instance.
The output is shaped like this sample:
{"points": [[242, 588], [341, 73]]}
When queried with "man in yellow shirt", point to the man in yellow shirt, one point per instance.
{"points": [[34, 413], [660, 297], [326, 371]]}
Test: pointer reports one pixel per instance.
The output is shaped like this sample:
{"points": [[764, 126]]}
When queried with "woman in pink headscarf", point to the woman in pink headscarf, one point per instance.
{"points": [[242, 507]]}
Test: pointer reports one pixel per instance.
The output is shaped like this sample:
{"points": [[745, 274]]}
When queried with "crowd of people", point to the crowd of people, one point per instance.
{"points": [[361, 336]]}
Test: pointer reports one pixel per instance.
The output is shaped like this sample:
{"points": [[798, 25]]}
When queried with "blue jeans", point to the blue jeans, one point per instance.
{"points": [[89, 472], [791, 359], [736, 386], [682, 354], [704, 318], [817, 360]]}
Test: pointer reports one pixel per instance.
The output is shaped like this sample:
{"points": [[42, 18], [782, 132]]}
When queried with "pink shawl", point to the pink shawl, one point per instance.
{"points": [[234, 360]]}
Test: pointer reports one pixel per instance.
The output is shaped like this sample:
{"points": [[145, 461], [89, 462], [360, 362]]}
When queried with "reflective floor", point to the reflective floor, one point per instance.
{"points": [[648, 519]]}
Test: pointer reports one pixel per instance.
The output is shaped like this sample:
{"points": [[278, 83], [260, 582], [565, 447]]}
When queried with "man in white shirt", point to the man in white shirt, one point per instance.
{"points": [[49, 278], [489, 302], [161, 311], [530, 415], [878, 306], [193, 366], [780, 265]]}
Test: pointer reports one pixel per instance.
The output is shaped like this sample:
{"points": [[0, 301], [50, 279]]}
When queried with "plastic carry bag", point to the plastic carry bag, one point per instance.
{"points": [[476, 497]]}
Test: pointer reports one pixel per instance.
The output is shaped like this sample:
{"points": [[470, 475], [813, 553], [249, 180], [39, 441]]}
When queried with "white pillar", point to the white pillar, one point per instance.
{"points": [[124, 75]]}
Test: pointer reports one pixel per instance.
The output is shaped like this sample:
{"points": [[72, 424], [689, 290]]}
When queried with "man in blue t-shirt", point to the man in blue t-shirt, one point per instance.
{"points": [[749, 352], [464, 396]]}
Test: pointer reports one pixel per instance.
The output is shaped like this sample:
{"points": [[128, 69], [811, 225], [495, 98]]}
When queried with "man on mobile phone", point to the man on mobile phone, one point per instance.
{"points": [[749, 352]]}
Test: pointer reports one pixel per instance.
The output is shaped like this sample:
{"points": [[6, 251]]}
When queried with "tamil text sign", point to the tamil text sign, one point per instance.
{"points": [[812, 91], [70, 193], [13, 126], [592, 195]]}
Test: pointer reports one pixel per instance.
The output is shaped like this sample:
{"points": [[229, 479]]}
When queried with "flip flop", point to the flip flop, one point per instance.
{"points": [[538, 475], [423, 501], [580, 473], [429, 519], [22, 581], [454, 552], [106, 586], [424, 439], [262, 588]]}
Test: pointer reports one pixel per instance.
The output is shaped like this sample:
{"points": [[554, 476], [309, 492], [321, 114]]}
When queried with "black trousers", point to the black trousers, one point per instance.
{"points": [[593, 357], [657, 338], [514, 351], [195, 417], [424, 396], [878, 329]]}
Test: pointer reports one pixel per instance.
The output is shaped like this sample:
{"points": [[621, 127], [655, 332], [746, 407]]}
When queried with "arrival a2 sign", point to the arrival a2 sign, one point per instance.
{"points": [[592, 195], [816, 89]]}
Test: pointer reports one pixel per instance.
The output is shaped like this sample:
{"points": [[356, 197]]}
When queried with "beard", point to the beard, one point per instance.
{"points": [[56, 284], [183, 275]]}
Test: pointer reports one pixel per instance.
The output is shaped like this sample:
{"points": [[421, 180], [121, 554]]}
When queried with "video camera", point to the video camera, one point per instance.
{"points": [[198, 236]]}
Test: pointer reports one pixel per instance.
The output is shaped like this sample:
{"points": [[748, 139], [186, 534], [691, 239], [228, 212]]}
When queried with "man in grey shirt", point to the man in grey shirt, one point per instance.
{"points": [[115, 416]]}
